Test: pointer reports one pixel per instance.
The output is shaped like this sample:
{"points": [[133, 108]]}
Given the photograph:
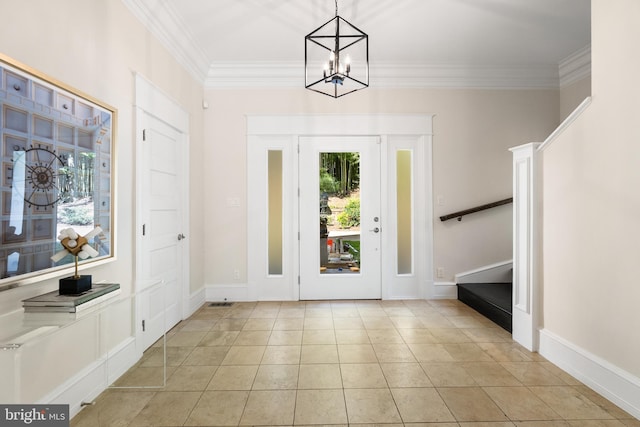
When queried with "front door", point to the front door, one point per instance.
{"points": [[340, 218]]}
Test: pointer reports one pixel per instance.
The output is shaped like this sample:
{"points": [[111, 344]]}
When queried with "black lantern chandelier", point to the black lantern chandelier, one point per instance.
{"points": [[336, 58]]}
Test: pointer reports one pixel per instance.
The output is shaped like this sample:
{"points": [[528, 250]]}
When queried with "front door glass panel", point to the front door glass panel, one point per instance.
{"points": [[339, 218]]}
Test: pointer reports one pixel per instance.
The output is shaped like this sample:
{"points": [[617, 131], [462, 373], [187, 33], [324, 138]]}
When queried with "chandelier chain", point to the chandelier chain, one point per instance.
{"points": [[336, 7]]}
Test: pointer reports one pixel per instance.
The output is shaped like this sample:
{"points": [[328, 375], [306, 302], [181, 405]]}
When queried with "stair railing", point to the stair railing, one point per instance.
{"points": [[460, 214]]}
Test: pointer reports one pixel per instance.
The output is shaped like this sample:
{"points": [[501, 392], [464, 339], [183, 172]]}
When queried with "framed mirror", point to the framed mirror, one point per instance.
{"points": [[57, 153]]}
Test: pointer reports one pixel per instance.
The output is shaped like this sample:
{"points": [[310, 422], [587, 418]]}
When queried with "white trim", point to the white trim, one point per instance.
{"points": [[566, 123], [575, 67], [157, 103], [486, 274], [615, 384], [227, 293], [341, 124], [196, 300], [383, 125], [167, 26], [425, 227], [479, 76], [251, 74], [444, 290], [87, 384], [165, 23], [121, 358], [526, 289]]}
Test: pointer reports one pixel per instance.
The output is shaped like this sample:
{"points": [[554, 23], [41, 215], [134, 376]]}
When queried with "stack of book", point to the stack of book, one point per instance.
{"points": [[53, 302]]}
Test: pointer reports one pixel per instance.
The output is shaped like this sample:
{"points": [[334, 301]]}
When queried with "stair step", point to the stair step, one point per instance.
{"points": [[493, 300]]}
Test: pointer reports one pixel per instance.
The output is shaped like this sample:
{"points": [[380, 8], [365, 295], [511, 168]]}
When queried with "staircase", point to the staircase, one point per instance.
{"points": [[488, 289], [493, 300]]}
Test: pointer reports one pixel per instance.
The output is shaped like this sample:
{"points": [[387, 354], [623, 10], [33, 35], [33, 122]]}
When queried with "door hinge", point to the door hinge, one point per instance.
{"points": [[298, 236], [144, 229], [143, 326], [144, 134], [298, 280]]}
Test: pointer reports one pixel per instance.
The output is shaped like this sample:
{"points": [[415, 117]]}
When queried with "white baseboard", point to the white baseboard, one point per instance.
{"points": [[444, 290], [196, 300], [121, 359], [617, 385], [437, 290], [227, 293], [498, 272], [87, 384]]}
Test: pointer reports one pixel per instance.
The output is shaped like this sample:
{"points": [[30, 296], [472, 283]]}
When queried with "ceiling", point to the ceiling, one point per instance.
{"points": [[480, 43]]}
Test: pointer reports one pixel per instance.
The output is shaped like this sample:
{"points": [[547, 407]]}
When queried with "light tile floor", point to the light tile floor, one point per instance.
{"points": [[435, 363]]}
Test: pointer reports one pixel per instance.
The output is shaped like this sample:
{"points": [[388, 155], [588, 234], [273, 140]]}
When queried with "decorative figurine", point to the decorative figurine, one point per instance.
{"points": [[79, 247]]}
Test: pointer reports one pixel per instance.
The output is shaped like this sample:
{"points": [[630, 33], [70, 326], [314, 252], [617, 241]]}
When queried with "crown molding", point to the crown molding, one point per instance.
{"points": [[164, 23], [229, 75], [575, 67], [464, 76]]}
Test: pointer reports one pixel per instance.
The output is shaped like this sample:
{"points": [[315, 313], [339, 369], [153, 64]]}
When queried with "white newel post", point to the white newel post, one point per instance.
{"points": [[525, 241]]}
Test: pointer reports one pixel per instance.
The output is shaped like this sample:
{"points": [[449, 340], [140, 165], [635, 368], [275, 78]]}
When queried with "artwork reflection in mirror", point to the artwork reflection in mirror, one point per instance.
{"points": [[56, 171]]}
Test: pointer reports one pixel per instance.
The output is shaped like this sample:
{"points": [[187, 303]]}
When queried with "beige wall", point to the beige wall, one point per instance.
{"points": [[473, 130], [572, 95], [95, 46], [592, 202]]}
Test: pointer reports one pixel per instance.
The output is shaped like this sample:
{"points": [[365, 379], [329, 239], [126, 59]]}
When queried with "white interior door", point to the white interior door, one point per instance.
{"points": [[342, 263], [161, 201]]}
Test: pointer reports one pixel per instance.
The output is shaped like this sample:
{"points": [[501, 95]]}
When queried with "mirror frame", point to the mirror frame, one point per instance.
{"points": [[53, 119]]}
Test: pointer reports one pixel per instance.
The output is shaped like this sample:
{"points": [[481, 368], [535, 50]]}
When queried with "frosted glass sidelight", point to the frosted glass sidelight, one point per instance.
{"points": [[274, 171], [404, 211]]}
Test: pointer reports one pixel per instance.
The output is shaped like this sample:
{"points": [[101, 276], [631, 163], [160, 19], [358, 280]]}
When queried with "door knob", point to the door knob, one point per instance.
{"points": [[376, 230], [181, 236]]}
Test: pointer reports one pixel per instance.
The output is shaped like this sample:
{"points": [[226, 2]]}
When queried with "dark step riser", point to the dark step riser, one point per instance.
{"points": [[496, 314]]}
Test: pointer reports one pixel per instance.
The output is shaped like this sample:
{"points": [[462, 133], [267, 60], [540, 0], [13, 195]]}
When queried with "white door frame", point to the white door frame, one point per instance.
{"points": [[152, 101], [264, 131]]}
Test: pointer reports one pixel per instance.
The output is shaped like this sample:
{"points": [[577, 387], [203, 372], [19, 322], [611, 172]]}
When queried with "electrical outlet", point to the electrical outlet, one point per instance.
{"points": [[233, 202], [236, 274], [440, 200], [440, 272]]}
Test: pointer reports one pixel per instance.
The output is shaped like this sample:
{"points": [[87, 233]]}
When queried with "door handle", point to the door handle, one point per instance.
{"points": [[376, 230], [181, 236]]}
